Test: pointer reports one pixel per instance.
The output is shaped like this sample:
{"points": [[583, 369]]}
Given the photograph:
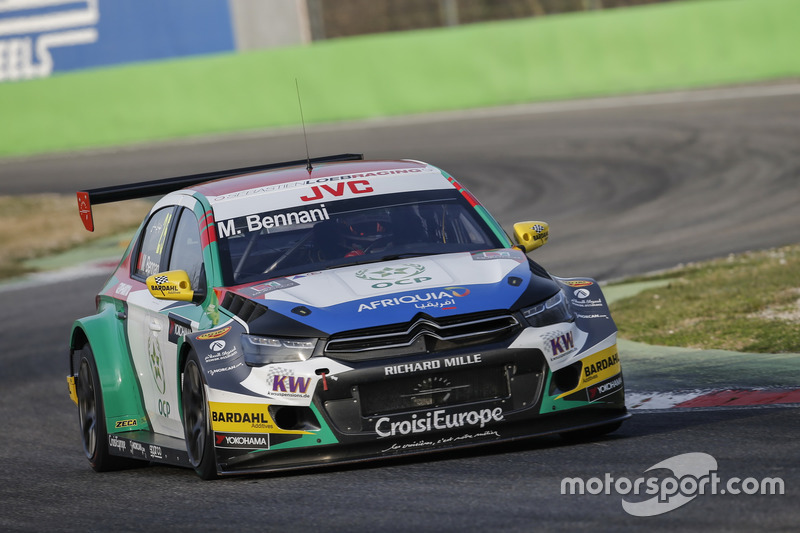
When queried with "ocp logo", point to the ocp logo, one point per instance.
{"points": [[388, 276]]}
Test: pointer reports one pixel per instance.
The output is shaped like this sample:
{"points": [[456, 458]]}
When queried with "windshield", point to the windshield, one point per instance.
{"points": [[346, 232]]}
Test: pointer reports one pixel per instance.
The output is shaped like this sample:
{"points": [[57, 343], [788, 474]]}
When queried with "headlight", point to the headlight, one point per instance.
{"points": [[265, 350], [551, 311]]}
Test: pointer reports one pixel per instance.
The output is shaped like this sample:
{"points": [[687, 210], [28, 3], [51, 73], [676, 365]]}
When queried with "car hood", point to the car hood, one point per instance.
{"points": [[390, 292]]}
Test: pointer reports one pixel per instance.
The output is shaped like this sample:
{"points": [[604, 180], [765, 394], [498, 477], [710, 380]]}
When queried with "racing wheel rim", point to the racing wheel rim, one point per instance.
{"points": [[87, 406], [194, 413]]}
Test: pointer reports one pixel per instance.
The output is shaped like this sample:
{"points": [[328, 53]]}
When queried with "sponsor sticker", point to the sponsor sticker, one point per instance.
{"points": [[117, 443], [422, 366], [558, 344], [388, 276], [123, 289], [138, 449], [272, 285], [214, 371], [606, 388], [318, 192], [290, 386], [242, 441], [272, 219], [178, 328], [440, 299], [157, 364], [156, 452], [444, 441], [600, 366], [214, 334], [435, 421], [581, 299], [244, 418], [577, 283], [315, 182], [490, 255]]}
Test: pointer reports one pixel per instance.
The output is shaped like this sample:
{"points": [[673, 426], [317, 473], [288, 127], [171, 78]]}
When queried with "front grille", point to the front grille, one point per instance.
{"points": [[433, 390], [422, 335]]}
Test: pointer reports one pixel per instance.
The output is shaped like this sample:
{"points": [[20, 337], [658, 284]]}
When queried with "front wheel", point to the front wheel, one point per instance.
{"points": [[196, 422], [94, 434]]}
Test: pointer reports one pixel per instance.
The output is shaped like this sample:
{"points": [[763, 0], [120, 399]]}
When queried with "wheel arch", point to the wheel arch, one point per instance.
{"points": [[119, 386]]}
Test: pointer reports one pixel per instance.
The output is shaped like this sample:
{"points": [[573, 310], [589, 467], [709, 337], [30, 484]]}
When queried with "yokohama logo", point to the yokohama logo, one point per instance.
{"points": [[241, 441]]}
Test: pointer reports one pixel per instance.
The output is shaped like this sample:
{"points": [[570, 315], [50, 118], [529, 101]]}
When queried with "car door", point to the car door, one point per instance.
{"points": [[171, 241]]}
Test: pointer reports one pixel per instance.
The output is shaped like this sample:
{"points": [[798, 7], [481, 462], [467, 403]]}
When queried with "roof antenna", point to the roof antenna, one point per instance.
{"points": [[303, 122]]}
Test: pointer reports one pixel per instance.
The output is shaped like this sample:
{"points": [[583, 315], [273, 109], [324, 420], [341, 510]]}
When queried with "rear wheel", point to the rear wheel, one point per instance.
{"points": [[94, 434], [196, 422]]}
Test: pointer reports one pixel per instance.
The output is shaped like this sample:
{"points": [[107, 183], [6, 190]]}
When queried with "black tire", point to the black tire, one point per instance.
{"points": [[196, 422], [591, 433], [91, 416]]}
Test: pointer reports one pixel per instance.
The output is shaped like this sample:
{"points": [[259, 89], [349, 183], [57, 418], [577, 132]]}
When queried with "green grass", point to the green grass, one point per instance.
{"points": [[748, 303], [38, 226], [659, 47]]}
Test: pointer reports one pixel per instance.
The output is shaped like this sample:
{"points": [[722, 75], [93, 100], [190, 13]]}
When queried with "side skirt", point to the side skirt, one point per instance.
{"points": [[149, 447]]}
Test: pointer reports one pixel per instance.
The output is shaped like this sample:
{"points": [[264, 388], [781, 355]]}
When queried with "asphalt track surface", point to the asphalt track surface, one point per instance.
{"points": [[626, 189]]}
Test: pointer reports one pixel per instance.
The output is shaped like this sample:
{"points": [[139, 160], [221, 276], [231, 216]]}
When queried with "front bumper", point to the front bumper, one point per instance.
{"points": [[401, 406]]}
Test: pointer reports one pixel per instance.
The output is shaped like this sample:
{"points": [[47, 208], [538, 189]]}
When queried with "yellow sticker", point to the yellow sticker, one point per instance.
{"points": [[600, 366], [214, 334], [244, 418], [596, 368]]}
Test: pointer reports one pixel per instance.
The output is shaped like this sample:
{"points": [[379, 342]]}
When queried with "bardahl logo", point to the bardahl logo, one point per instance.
{"points": [[603, 364], [577, 283], [214, 334]]}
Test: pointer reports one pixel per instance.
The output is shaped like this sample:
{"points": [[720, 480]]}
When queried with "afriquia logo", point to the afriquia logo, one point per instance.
{"points": [[692, 474], [437, 299], [389, 276]]}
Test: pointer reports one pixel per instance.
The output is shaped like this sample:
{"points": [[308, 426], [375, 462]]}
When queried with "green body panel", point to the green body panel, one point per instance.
{"points": [[323, 436], [551, 403], [118, 382]]}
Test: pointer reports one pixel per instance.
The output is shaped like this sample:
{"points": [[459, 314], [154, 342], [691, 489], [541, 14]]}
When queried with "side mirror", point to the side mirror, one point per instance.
{"points": [[531, 235], [172, 285]]}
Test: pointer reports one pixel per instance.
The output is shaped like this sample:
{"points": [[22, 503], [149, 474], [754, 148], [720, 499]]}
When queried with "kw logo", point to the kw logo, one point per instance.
{"points": [[290, 384], [562, 343], [356, 187]]}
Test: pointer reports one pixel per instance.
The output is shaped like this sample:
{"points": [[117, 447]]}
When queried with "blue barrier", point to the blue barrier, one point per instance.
{"points": [[39, 37]]}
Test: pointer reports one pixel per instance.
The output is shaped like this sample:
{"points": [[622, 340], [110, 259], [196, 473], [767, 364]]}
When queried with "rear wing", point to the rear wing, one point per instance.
{"points": [[118, 193]]}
